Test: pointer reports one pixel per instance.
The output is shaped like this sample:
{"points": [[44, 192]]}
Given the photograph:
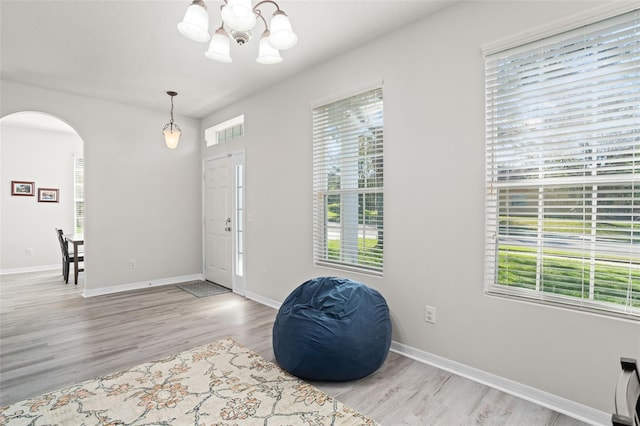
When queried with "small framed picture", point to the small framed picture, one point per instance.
{"points": [[22, 188], [48, 195]]}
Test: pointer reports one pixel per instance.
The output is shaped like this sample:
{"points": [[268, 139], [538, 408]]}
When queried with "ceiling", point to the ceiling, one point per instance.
{"points": [[130, 51]]}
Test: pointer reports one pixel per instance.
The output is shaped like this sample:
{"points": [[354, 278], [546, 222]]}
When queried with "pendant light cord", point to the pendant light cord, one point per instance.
{"points": [[171, 94], [171, 121]]}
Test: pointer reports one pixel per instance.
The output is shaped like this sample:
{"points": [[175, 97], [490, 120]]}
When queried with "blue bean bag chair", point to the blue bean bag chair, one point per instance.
{"points": [[332, 329]]}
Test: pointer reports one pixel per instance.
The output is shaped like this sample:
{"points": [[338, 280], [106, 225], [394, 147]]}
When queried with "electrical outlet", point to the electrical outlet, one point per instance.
{"points": [[28, 252], [430, 314], [132, 263]]}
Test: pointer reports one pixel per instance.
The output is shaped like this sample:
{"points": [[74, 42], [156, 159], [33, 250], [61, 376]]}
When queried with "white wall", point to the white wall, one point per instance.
{"points": [[433, 75], [142, 200], [46, 158]]}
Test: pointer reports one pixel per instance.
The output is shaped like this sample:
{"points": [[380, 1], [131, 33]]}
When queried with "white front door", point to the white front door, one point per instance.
{"points": [[218, 221]]}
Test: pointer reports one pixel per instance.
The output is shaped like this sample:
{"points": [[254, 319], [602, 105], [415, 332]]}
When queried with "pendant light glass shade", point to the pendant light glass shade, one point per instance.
{"points": [[282, 36], [239, 15], [219, 48], [171, 135], [171, 130], [267, 54], [195, 24]]}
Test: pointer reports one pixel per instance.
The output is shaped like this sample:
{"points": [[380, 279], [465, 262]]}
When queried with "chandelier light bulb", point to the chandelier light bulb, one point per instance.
{"points": [[195, 24]]}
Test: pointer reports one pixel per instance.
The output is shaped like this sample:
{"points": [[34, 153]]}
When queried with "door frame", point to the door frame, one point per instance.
{"points": [[237, 159]]}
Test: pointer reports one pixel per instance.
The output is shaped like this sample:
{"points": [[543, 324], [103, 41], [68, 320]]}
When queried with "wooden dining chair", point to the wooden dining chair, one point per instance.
{"points": [[67, 258]]}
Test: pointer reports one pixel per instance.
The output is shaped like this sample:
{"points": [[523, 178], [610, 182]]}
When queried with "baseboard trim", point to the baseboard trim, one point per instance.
{"points": [[537, 396], [260, 299], [31, 269], [140, 285]]}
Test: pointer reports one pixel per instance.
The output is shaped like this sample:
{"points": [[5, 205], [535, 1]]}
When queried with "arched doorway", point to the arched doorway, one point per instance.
{"points": [[46, 154]]}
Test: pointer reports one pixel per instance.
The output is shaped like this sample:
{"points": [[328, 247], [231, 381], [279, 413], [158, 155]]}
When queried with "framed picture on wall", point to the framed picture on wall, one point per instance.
{"points": [[48, 195], [19, 187]]}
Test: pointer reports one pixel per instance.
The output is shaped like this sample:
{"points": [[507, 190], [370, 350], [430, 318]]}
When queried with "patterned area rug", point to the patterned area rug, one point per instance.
{"points": [[203, 288], [222, 383]]}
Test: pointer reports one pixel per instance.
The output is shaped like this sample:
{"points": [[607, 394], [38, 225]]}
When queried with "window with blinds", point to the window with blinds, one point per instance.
{"points": [[562, 162], [78, 194], [348, 183]]}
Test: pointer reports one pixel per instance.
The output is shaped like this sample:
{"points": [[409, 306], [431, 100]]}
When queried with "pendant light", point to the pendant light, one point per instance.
{"points": [[171, 130]]}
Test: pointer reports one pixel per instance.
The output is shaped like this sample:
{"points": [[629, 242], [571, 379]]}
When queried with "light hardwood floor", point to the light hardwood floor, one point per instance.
{"points": [[50, 336]]}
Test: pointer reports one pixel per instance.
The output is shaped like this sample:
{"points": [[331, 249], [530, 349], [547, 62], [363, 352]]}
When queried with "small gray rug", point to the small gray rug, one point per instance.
{"points": [[203, 288]]}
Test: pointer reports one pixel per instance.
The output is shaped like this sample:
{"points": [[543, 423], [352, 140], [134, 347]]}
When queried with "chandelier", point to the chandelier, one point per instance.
{"points": [[239, 17]]}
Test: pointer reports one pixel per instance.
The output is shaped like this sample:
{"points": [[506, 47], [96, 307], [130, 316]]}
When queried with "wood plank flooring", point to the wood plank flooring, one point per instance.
{"points": [[50, 337]]}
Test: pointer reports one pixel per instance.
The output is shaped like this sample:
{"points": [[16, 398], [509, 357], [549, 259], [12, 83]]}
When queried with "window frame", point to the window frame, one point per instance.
{"points": [[224, 132], [591, 184]]}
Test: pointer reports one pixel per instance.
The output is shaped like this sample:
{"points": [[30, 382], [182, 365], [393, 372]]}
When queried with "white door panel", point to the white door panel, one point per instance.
{"points": [[218, 222]]}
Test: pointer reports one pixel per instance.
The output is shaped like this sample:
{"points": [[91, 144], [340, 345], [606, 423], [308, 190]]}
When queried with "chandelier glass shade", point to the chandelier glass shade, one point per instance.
{"points": [[239, 15], [282, 36], [195, 24], [267, 54], [220, 47], [171, 130], [239, 18]]}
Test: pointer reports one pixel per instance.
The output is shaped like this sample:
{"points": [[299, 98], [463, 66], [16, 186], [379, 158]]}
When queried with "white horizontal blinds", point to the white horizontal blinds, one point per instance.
{"points": [[348, 182], [563, 156], [78, 193]]}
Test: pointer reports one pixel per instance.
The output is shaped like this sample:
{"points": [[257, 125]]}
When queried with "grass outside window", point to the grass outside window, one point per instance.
{"points": [[568, 274]]}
